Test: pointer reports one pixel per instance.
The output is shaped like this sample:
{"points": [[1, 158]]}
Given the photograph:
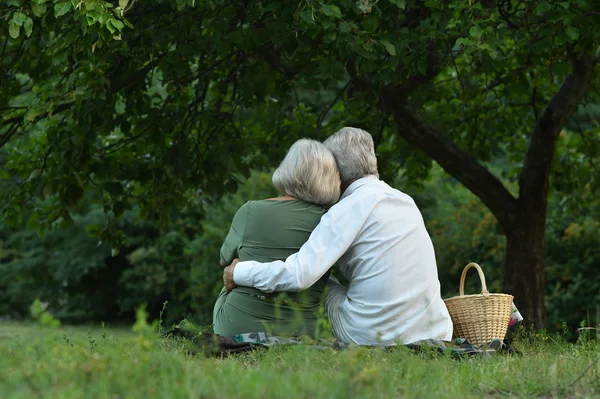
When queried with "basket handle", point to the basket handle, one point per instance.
{"points": [[484, 289]]}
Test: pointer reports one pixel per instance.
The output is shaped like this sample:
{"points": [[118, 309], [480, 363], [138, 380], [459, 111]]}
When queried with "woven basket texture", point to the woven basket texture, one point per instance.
{"points": [[482, 317]]}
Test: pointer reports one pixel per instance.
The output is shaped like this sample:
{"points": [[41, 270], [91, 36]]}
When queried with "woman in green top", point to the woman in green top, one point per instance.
{"points": [[273, 229]]}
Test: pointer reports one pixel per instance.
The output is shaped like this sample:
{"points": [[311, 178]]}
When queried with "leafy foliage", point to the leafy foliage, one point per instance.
{"points": [[136, 102], [65, 268], [39, 313], [80, 279]]}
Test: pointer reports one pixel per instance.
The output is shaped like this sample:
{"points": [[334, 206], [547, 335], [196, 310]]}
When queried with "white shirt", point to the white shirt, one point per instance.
{"points": [[377, 237]]}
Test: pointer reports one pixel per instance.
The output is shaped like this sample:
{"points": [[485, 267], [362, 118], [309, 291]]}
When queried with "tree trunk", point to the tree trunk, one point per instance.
{"points": [[523, 219], [525, 269], [525, 249]]}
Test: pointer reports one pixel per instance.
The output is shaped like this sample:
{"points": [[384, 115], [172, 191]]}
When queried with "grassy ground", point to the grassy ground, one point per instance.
{"points": [[68, 362]]}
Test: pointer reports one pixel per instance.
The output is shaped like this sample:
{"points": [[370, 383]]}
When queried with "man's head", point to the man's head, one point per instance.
{"points": [[354, 153]]}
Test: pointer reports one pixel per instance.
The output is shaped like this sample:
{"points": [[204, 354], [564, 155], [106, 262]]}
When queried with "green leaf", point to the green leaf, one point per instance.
{"points": [[97, 44], [331, 11], [572, 32], [390, 48], [13, 29], [62, 8], [123, 4], [34, 112], [344, 27], [38, 9], [475, 31], [543, 7], [464, 41], [18, 18], [28, 26], [326, 22], [35, 174], [110, 26], [92, 17], [453, 22], [34, 221], [94, 230], [400, 3], [117, 24], [102, 17], [307, 16]]}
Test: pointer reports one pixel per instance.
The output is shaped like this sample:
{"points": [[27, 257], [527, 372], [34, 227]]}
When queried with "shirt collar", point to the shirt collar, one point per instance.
{"points": [[360, 182]]}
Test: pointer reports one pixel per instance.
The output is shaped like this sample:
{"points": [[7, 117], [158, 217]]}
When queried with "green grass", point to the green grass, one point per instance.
{"points": [[115, 363]]}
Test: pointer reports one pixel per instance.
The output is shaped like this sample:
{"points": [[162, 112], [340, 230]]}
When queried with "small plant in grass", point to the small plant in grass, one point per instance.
{"points": [[160, 317], [565, 330], [104, 336], [323, 327], [38, 312], [91, 341], [141, 325], [68, 340], [587, 334]]}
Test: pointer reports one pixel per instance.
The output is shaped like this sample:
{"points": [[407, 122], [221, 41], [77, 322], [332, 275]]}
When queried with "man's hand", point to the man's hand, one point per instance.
{"points": [[228, 276]]}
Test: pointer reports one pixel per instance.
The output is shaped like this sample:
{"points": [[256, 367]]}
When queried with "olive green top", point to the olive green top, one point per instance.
{"points": [[266, 231]]}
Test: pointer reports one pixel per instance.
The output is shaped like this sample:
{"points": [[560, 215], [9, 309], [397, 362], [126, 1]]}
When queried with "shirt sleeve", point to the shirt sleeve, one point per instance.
{"points": [[328, 242], [229, 249]]}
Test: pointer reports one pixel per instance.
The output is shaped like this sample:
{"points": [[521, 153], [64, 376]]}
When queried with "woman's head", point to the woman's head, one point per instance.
{"points": [[309, 172]]}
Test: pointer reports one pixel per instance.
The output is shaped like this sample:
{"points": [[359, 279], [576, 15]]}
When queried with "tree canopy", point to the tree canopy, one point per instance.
{"points": [[151, 103]]}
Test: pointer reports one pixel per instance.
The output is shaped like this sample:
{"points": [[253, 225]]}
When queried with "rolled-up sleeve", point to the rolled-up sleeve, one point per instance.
{"points": [[328, 242]]}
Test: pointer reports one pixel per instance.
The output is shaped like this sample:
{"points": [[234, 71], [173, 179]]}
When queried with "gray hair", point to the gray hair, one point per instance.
{"points": [[309, 172], [354, 153]]}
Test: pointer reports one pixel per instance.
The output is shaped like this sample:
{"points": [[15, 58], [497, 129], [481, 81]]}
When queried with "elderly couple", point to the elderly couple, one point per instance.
{"points": [[334, 211]]}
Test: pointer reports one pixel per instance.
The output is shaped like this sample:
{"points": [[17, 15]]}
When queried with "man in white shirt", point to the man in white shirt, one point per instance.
{"points": [[376, 236]]}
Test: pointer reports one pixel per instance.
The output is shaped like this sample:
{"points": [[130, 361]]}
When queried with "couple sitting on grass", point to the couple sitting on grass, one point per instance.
{"points": [[335, 210]]}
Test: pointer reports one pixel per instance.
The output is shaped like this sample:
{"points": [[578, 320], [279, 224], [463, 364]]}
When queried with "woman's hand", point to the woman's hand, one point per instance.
{"points": [[228, 280]]}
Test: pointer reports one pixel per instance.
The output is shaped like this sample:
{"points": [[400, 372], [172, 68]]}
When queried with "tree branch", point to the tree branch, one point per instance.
{"points": [[456, 162], [17, 121], [274, 60], [14, 128], [323, 115], [437, 146], [534, 180], [359, 82], [402, 91], [118, 83]]}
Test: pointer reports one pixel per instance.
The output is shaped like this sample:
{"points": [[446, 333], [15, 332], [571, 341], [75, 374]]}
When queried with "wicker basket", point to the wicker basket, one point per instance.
{"points": [[482, 317]]}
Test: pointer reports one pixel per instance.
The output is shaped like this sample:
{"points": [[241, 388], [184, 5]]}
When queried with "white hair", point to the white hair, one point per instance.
{"points": [[309, 172], [354, 153]]}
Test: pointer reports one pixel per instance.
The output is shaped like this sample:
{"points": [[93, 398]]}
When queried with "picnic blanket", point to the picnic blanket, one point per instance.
{"points": [[210, 344]]}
